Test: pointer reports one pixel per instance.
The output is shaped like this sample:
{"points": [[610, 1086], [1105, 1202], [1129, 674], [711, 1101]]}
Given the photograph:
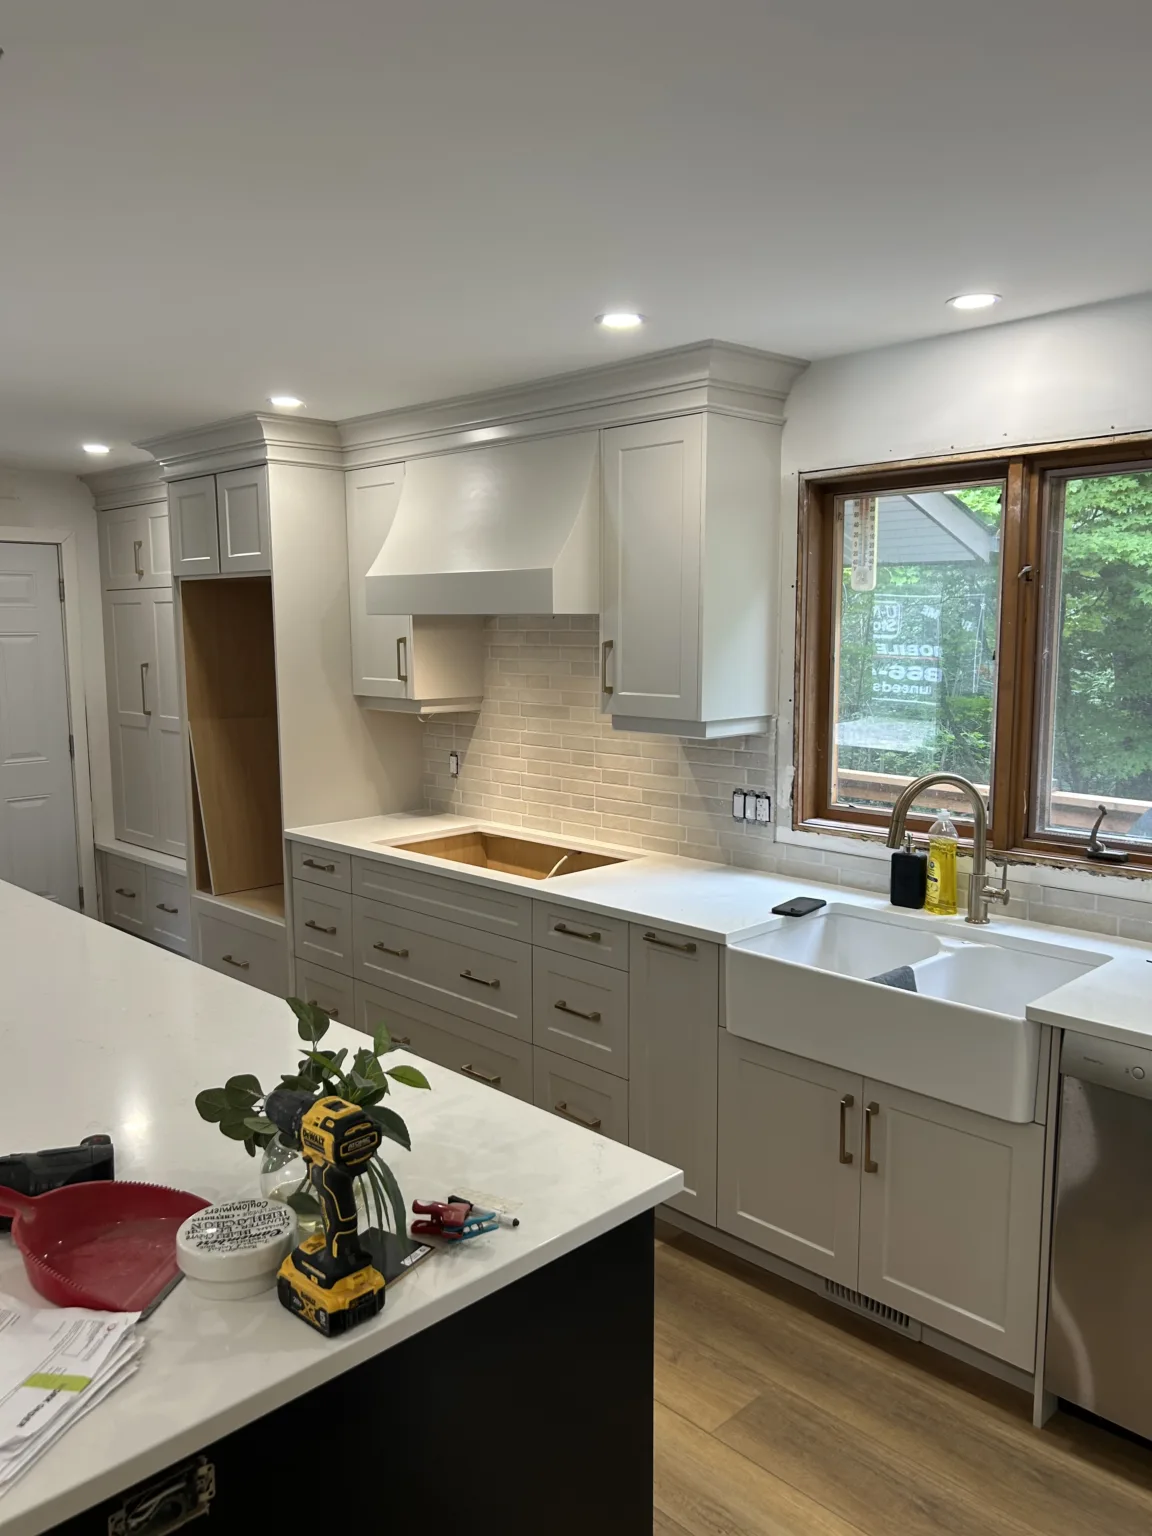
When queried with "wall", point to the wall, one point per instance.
{"points": [[1077, 374], [60, 503], [541, 755]]}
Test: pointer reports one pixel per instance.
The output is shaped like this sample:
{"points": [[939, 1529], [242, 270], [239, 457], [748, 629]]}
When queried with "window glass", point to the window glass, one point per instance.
{"points": [[914, 664], [1095, 736]]}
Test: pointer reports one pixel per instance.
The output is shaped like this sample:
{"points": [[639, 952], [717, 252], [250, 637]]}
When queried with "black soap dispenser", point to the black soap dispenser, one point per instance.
{"points": [[909, 887]]}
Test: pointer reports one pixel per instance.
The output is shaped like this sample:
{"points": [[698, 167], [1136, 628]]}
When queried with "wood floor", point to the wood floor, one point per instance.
{"points": [[778, 1414]]}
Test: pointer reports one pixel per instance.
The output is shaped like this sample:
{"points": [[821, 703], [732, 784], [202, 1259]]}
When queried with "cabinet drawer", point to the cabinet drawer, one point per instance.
{"points": [[476, 976], [581, 1094], [169, 911], [321, 866], [260, 959], [572, 932], [580, 1010], [125, 894], [497, 1060], [456, 901], [326, 990], [322, 926]]}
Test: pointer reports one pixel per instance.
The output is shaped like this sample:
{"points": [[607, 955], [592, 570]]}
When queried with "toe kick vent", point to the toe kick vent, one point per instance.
{"points": [[878, 1311]]}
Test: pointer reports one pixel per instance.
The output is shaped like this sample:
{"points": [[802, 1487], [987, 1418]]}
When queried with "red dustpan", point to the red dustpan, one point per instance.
{"points": [[106, 1245]]}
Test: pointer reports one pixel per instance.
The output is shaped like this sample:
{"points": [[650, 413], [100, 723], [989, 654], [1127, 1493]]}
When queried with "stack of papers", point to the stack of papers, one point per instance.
{"points": [[56, 1365]]}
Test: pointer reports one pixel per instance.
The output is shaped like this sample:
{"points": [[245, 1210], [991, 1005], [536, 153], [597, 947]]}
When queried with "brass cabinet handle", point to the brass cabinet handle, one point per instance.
{"points": [[481, 981], [593, 1017], [144, 710], [319, 927], [120, 891], [846, 1104], [570, 1114], [401, 1039], [402, 658], [241, 965], [401, 954], [137, 546], [492, 1079], [869, 1111], [592, 937], [171, 911], [687, 948], [333, 1013], [329, 869], [605, 651]]}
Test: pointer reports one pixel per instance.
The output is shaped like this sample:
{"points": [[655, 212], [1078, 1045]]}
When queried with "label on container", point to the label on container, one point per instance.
{"points": [[237, 1226]]}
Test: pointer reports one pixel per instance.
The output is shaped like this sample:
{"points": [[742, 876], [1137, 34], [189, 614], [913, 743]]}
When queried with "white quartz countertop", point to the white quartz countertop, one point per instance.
{"points": [[725, 905], [117, 1035]]}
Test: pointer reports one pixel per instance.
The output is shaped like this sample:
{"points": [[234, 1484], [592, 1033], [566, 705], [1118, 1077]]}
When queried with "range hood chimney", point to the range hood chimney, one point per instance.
{"points": [[511, 528]]}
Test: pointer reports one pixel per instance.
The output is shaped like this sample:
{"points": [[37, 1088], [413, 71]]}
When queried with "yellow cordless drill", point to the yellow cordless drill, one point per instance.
{"points": [[329, 1280]]}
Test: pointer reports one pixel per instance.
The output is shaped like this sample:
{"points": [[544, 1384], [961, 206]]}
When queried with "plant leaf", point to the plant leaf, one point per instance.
{"points": [[411, 1077], [260, 1124], [367, 1100], [212, 1105], [311, 1022], [330, 1061], [243, 1091], [302, 1204], [390, 1124], [382, 1043], [395, 1198], [234, 1125]]}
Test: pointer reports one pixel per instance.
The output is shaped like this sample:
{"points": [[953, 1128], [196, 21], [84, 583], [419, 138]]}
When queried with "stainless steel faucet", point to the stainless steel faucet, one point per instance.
{"points": [[979, 893]]}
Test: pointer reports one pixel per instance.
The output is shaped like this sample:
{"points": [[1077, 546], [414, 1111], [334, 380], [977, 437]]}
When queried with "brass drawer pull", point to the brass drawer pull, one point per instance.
{"points": [[493, 1079], [574, 933], [120, 891], [328, 869], [241, 965], [592, 1018], [402, 659], [570, 1114], [687, 948], [480, 981], [869, 1111], [605, 651], [171, 911], [401, 954], [846, 1104], [319, 928], [401, 1039], [137, 546], [333, 1013]]}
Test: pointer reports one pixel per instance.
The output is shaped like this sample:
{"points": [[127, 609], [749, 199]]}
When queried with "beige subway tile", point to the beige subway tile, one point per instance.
{"points": [[1136, 928], [664, 801], [1125, 906], [1052, 896], [1073, 917], [582, 816]]}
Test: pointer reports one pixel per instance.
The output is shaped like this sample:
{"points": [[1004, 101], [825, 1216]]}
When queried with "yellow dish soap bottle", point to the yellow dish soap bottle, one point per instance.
{"points": [[943, 845]]}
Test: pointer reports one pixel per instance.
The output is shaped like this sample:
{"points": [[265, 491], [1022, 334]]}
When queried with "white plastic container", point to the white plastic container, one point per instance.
{"points": [[234, 1250]]}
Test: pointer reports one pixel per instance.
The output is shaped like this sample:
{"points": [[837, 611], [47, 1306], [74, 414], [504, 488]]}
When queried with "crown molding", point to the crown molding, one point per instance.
{"points": [[708, 375], [245, 440], [132, 485]]}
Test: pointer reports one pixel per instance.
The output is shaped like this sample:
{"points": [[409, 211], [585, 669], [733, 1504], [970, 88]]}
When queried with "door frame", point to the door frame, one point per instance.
{"points": [[66, 544]]}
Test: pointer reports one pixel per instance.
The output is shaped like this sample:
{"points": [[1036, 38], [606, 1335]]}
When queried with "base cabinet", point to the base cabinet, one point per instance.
{"points": [[674, 1024], [146, 900], [931, 1209]]}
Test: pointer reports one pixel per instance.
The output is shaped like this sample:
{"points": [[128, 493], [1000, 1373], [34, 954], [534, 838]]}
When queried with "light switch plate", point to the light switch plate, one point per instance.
{"points": [[738, 803], [454, 764], [750, 807]]}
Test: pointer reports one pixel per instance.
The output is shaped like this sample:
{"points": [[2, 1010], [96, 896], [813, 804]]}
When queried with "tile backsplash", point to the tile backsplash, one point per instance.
{"points": [[540, 754]]}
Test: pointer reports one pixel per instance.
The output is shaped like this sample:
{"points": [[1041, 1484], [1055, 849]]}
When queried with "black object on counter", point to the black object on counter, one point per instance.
{"points": [[909, 887], [799, 906], [35, 1173]]}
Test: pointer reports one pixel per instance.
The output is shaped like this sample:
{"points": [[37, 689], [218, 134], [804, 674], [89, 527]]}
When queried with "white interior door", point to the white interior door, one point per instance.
{"points": [[37, 797]]}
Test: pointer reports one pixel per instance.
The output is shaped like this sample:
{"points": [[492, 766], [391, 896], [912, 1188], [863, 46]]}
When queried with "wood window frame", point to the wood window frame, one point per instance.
{"points": [[1026, 526]]}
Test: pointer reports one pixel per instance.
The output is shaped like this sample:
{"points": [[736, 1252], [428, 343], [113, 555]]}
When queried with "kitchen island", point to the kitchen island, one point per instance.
{"points": [[510, 1375]]}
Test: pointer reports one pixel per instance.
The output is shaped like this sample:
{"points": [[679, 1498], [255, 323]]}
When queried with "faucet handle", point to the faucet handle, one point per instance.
{"points": [[999, 892]]}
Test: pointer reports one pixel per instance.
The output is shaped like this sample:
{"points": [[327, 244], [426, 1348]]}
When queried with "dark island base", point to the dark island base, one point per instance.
{"points": [[527, 1414]]}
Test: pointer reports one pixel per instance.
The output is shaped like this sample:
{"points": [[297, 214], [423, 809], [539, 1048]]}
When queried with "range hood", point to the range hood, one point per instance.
{"points": [[512, 528]]}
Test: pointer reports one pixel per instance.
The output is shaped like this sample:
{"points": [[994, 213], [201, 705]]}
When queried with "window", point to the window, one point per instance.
{"points": [[992, 619]]}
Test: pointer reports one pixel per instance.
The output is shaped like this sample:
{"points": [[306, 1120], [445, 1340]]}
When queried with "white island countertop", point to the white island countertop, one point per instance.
{"points": [[101, 1032]]}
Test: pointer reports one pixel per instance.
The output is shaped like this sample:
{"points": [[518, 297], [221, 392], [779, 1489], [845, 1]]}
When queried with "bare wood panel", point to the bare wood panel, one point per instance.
{"points": [[231, 689]]}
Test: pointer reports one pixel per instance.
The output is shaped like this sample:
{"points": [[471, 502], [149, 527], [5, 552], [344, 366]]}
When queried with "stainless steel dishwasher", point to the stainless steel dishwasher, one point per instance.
{"points": [[1101, 1298]]}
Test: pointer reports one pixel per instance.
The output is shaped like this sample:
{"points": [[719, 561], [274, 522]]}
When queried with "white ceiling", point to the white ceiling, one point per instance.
{"points": [[371, 203]]}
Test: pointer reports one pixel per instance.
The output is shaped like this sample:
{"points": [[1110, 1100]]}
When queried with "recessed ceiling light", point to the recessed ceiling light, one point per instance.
{"points": [[95, 447], [974, 300], [285, 402], [620, 320]]}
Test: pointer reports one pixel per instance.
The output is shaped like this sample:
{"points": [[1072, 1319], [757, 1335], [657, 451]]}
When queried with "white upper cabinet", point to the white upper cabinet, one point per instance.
{"points": [[688, 544], [244, 523], [134, 547], [220, 523], [401, 662]]}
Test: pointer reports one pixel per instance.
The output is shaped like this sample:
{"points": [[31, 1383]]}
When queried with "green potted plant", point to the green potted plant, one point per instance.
{"points": [[237, 1108]]}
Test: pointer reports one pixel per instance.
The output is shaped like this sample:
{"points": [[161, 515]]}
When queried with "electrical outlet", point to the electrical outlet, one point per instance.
{"points": [[454, 764], [738, 800], [764, 809]]}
